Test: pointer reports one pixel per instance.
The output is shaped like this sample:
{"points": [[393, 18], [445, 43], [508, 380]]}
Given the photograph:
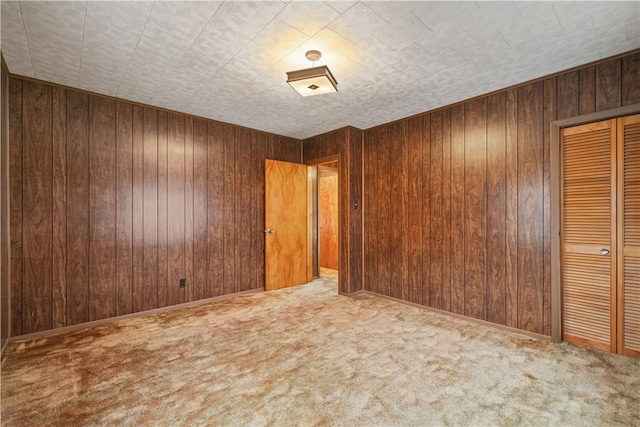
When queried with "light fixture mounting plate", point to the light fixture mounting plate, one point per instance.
{"points": [[313, 55]]}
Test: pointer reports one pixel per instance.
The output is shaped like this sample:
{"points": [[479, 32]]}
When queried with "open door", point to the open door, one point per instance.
{"points": [[286, 231]]}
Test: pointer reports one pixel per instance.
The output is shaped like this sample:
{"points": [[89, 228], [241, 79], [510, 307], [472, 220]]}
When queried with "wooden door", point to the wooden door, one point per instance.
{"points": [[588, 234], [286, 233], [629, 235]]}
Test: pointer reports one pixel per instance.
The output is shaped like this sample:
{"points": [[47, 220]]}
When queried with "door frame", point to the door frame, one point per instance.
{"points": [[556, 203], [314, 203]]}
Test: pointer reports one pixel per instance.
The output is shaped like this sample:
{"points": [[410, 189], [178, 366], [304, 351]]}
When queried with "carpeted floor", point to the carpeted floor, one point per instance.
{"points": [[308, 356]]}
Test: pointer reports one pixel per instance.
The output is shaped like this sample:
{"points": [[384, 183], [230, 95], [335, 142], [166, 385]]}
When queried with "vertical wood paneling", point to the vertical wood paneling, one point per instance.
{"points": [[259, 154], [549, 115], [150, 208], [629, 87], [475, 154], [396, 221], [215, 210], [124, 208], [228, 224], [587, 93], [15, 204], [404, 255], [77, 207], [457, 209], [446, 210], [37, 206], [138, 206], [512, 209], [496, 208], [426, 209], [437, 224], [607, 85], [163, 211], [177, 207], [189, 184], [384, 211], [414, 209], [568, 96], [5, 304], [342, 145], [355, 219], [59, 207], [369, 272], [198, 288], [242, 209], [102, 208], [530, 209]]}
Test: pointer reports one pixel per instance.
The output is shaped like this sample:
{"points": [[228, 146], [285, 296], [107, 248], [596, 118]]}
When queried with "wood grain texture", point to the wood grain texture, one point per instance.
{"points": [[629, 87], [414, 209], [5, 242], [568, 94], [355, 194], [77, 208], [530, 210], [369, 256], [102, 208], [512, 209], [549, 115], [383, 226], [496, 208], [138, 209], [607, 85], [587, 93], [177, 208], [328, 212], [215, 210], [457, 209], [228, 218], [446, 210], [243, 209], [59, 273], [124, 208], [189, 196], [199, 287], [396, 213], [436, 211], [475, 154], [163, 210], [426, 208], [15, 204], [150, 208]]}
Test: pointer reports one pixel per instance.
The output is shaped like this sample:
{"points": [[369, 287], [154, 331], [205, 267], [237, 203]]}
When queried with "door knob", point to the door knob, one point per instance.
{"points": [[269, 230], [604, 251]]}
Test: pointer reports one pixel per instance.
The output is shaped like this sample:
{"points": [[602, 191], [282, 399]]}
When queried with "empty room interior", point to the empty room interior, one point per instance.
{"points": [[282, 213]]}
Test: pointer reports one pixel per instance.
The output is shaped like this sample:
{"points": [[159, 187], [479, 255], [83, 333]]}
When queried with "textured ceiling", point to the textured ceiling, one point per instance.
{"points": [[227, 60]]}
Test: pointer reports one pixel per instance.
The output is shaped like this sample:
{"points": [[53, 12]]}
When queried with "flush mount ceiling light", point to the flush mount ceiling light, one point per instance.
{"points": [[312, 81]]}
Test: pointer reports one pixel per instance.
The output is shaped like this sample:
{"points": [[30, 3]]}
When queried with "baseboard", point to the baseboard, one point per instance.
{"points": [[460, 316], [79, 326]]}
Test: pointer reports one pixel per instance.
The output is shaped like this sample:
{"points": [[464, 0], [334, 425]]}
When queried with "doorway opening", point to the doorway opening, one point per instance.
{"points": [[325, 223]]}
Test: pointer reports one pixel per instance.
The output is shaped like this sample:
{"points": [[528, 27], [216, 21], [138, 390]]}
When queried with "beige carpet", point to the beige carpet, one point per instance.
{"points": [[308, 356]]}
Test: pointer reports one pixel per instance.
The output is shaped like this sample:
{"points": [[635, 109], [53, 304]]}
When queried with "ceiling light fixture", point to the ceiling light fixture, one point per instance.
{"points": [[312, 81]]}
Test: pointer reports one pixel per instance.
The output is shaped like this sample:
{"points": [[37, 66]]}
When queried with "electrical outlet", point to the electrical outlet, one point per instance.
{"points": [[183, 283]]}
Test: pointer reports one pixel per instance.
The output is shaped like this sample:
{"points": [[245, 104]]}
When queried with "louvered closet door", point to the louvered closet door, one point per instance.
{"points": [[629, 235], [589, 246]]}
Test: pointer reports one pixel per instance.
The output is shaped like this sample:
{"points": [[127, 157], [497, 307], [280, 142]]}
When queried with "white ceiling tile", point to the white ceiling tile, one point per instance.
{"points": [[633, 30], [15, 48], [432, 13], [391, 11], [258, 12], [402, 31], [130, 16], [181, 18], [340, 6], [97, 30], [277, 40], [229, 30], [308, 16], [357, 23]]}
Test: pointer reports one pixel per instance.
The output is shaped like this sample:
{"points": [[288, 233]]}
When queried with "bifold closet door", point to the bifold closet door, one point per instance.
{"points": [[588, 234], [629, 235]]}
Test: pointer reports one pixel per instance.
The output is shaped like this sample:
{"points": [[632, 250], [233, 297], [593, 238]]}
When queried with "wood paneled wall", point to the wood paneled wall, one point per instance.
{"points": [[457, 199], [4, 211], [112, 203], [346, 143]]}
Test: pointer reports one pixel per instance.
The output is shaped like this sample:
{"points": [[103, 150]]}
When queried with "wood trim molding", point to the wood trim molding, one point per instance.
{"points": [[458, 316], [555, 129], [85, 325]]}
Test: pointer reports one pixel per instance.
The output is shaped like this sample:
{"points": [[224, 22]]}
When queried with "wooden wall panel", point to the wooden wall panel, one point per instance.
{"points": [[77, 208], [485, 196], [112, 203], [355, 195], [475, 155], [413, 137], [5, 234], [102, 208], [124, 208], [397, 201]]}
